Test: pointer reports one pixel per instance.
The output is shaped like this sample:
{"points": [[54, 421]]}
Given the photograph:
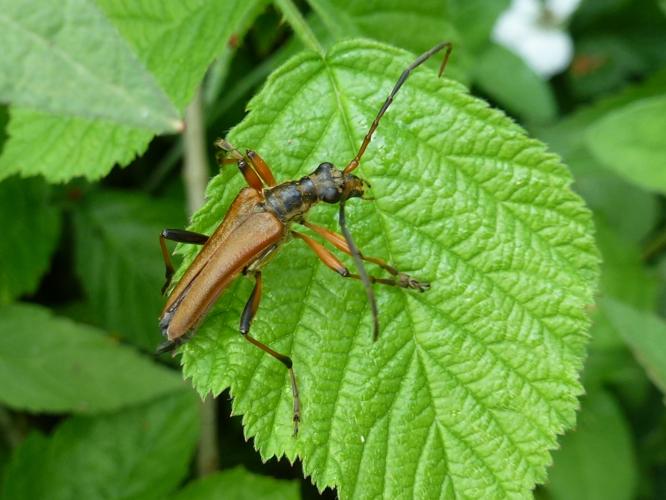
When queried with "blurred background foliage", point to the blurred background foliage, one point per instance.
{"points": [[79, 254]]}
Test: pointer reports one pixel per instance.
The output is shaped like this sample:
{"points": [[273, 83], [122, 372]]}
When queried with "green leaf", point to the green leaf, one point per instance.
{"points": [[602, 63], [176, 41], [597, 460], [475, 19], [505, 76], [119, 263], [239, 484], [415, 27], [623, 277], [468, 385], [645, 334], [631, 211], [297, 22], [630, 141], [142, 453], [30, 229], [67, 58], [60, 148], [623, 273], [398, 22], [626, 208], [52, 364]]}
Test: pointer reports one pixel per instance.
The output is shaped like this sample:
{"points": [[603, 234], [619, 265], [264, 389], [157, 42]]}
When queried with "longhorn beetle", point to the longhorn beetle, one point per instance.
{"points": [[259, 220]]}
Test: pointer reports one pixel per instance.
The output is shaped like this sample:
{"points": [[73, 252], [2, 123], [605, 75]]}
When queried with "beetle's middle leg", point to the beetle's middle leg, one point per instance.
{"points": [[338, 241], [245, 322], [181, 236], [401, 280]]}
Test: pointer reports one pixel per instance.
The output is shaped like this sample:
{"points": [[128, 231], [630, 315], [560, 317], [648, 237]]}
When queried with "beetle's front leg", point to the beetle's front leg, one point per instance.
{"points": [[246, 320], [255, 170]]}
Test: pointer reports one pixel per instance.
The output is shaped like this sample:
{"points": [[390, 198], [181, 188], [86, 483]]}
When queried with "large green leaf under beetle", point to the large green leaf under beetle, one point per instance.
{"points": [[469, 383]]}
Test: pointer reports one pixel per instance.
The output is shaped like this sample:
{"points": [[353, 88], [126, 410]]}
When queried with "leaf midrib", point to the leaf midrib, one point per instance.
{"points": [[128, 98]]}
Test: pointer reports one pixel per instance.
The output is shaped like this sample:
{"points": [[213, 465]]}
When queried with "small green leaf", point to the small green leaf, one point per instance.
{"points": [[239, 484], [415, 27], [597, 460], [143, 452], [505, 76], [398, 22], [623, 273], [119, 263], [175, 41], [630, 141], [66, 58], [178, 41], [623, 206], [475, 19], [60, 148], [623, 277], [297, 22], [30, 229], [645, 334], [52, 364], [469, 383]]}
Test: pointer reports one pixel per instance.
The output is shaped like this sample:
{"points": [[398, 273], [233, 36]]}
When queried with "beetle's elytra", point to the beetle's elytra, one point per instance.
{"points": [[260, 219]]}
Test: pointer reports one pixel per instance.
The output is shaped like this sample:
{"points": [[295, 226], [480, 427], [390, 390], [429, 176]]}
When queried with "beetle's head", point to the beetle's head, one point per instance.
{"points": [[333, 185]]}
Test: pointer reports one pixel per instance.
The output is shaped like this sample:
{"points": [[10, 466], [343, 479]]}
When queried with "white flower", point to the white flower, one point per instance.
{"points": [[533, 30]]}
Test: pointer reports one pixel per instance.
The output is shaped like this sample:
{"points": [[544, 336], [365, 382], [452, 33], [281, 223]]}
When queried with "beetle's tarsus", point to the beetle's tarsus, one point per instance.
{"points": [[167, 346], [406, 281]]}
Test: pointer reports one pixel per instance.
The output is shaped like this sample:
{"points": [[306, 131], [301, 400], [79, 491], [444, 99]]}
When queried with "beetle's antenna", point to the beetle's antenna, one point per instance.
{"points": [[419, 60], [356, 255]]}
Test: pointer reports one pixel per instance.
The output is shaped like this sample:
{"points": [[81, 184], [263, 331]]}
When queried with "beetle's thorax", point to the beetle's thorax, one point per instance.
{"points": [[291, 200]]}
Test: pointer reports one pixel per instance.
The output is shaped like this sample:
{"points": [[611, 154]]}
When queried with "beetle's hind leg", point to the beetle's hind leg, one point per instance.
{"points": [[181, 236], [246, 320], [401, 279]]}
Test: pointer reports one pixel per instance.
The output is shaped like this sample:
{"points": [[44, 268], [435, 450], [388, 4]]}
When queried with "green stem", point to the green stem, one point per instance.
{"points": [[337, 22], [195, 168], [208, 454], [195, 177], [299, 25]]}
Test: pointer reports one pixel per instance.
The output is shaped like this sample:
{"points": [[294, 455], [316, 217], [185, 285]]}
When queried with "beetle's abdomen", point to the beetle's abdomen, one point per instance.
{"points": [[243, 246]]}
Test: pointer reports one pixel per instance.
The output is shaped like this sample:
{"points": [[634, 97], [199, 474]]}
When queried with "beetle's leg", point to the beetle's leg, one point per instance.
{"points": [[334, 263], [169, 345], [401, 280], [251, 177], [181, 236], [339, 242], [245, 322], [253, 180], [261, 167]]}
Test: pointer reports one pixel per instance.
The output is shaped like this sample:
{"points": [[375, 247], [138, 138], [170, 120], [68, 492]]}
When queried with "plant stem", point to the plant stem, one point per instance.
{"points": [[195, 168], [654, 247], [299, 25], [208, 453], [195, 176]]}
